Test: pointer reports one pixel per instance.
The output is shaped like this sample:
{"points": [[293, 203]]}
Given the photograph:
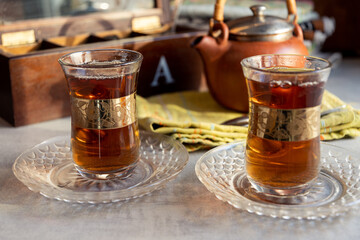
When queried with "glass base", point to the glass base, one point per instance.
{"points": [[68, 177], [320, 191], [288, 191], [120, 173]]}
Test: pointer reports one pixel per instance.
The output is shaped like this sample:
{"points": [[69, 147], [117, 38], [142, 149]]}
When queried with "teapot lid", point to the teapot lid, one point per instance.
{"points": [[260, 27]]}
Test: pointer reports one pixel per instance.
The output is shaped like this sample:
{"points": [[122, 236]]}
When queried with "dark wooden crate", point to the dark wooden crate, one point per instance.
{"points": [[34, 88]]}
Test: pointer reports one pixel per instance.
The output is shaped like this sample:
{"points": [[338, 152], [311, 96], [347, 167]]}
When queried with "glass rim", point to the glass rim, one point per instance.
{"points": [[327, 67], [139, 58]]}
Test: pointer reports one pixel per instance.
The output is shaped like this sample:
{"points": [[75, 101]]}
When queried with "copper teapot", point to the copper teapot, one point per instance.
{"points": [[228, 43]]}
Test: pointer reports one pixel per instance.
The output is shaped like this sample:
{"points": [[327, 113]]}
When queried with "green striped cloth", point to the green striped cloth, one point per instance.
{"points": [[194, 119], [338, 125]]}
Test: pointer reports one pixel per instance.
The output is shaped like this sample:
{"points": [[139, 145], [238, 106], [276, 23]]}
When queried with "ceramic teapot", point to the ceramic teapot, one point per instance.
{"points": [[228, 43]]}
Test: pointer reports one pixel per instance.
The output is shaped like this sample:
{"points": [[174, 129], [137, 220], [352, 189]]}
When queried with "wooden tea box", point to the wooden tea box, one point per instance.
{"points": [[33, 87]]}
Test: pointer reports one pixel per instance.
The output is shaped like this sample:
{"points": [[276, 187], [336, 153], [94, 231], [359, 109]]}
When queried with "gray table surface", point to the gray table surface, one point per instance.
{"points": [[184, 209]]}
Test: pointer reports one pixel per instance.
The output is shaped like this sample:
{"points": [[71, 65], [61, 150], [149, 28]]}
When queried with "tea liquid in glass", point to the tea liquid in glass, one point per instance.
{"points": [[288, 162], [106, 149]]}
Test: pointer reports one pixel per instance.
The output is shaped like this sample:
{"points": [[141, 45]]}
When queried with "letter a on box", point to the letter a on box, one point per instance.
{"points": [[162, 71]]}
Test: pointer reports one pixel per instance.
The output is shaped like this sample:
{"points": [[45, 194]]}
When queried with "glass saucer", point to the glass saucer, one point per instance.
{"points": [[222, 171], [48, 169]]}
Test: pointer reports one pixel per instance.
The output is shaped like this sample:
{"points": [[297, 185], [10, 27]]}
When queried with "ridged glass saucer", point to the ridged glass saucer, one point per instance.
{"points": [[48, 169], [222, 171]]}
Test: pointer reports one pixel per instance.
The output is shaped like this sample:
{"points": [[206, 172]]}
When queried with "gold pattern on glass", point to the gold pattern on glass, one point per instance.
{"points": [[284, 124], [103, 113]]}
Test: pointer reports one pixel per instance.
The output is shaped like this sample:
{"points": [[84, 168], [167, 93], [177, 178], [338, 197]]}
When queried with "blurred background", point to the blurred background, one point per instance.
{"points": [[342, 18]]}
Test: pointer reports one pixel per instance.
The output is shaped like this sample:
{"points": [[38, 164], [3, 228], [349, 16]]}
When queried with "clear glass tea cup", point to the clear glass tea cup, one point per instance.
{"points": [[283, 142], [102, 85]]}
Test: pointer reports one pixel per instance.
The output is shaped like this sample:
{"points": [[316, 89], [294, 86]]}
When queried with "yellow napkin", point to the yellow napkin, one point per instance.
{"points": [[338, 124], [194, 119]]}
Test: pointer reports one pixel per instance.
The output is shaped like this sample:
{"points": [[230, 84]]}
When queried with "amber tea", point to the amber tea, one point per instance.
{"points": [[103, 149], [274, 158]]}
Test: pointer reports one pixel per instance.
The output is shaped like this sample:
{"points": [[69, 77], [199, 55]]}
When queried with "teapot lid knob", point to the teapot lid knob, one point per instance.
{"points": [[258, 10]]}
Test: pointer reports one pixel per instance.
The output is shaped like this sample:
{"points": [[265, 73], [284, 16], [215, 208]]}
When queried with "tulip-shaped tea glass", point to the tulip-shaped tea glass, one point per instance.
{"points": [[283, 142], [102, 84]]}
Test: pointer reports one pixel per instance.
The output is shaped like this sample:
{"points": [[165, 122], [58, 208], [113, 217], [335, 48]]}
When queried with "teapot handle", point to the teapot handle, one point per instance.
{"points": [[218, 29], [219, 10], [291, 6], [219, 17]]}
